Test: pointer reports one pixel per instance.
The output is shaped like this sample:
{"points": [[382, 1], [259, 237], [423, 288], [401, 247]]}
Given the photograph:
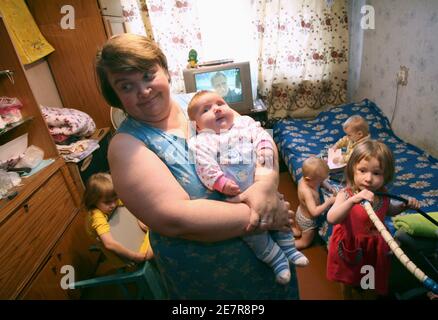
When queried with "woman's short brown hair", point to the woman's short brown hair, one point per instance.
{"points": [[371, 149], [125, 53], [99, 186]]}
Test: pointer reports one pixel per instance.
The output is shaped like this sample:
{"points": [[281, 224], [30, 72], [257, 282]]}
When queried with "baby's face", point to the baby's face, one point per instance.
{"points": [[212, 112], [353, 135]]}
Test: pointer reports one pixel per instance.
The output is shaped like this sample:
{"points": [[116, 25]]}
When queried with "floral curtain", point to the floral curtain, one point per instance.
{"points": [[175, 27], [302, 55], [133, 17]]}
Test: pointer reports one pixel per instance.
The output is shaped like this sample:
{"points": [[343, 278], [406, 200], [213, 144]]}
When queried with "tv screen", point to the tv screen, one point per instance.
{"points": [[226, 82], [231, 80]]}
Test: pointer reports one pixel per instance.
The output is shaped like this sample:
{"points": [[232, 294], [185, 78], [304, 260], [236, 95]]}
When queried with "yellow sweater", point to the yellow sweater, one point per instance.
{"points": [[97, 225]]}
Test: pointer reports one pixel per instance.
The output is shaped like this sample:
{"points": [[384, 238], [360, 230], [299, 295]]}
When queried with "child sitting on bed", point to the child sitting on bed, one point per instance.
{"points": [[100, 199], [225, 149], [355, 241], [315, 172], [356, 130]]}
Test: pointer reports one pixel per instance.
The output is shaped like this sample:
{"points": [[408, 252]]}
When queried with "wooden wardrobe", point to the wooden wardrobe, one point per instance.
{"points": [[42, 227], [72, 62]]}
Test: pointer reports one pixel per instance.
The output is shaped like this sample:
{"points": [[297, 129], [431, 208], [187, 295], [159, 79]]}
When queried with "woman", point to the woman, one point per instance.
{"points": [[194, 236]]}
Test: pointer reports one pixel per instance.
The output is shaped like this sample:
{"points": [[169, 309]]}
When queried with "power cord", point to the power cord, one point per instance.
{"points": [[395, 105]]}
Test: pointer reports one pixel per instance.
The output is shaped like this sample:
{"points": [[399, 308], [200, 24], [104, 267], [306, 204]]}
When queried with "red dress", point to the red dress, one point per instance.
{"points": [[356, 242]]}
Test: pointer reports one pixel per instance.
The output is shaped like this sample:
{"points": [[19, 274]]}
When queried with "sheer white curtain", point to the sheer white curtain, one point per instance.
{"points": [[216, 29], [175, 27], [227, 32], [132, 17], [356, 44], [298, 49]]}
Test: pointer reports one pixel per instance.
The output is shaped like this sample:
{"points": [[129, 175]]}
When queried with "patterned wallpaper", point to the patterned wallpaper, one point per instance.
{"points": [[406, 33]]}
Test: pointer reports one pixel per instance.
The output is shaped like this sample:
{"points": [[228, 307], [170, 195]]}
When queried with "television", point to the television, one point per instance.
{"points": [[232, 80]]}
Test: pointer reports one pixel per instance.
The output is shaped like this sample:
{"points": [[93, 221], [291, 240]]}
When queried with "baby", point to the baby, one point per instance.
{"points": [[225, 150], [315, 172], [356, 130]]}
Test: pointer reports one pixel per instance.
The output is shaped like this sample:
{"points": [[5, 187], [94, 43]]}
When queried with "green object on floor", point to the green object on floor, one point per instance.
{"points": [[147, 279], [417, 225]]}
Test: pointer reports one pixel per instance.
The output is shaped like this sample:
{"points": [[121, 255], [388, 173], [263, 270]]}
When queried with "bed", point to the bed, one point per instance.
{"points": [[416, 171]]}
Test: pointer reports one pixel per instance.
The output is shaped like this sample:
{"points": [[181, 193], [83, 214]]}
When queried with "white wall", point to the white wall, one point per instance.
{"points": [[227, 32], [406, 33], [42, 84]]}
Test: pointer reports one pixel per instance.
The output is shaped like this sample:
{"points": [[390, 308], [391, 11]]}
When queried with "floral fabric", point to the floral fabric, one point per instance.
{"points": [[68, 121], [175, 27], [303, 55]]}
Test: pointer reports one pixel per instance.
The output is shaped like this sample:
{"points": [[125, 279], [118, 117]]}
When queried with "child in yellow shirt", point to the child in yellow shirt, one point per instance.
{"points": [[100, 199], [357, 130]]}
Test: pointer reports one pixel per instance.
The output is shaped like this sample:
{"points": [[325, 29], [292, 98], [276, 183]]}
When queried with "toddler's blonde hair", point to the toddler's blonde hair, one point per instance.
{"points": [[367, 150], [357, 123], [313, 167], [99, 186]]}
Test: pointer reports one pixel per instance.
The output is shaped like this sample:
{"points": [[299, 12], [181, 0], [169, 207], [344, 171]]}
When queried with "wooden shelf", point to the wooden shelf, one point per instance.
{"points": [[14, 125], [27, 187]]}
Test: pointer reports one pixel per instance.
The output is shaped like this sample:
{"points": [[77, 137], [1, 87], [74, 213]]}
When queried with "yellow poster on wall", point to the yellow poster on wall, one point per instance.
{"points": [[27, 38]]}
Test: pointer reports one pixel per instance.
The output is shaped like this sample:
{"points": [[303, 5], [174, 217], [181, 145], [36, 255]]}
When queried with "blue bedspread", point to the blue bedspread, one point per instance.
{"points": [[416, 172]]}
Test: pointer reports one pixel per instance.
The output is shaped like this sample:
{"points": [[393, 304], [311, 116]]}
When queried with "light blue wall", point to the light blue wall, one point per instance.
{"points": [[406, 33]]}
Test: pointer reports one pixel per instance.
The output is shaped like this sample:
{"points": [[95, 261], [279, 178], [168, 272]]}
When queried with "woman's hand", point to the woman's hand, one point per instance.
{"points": [[269, 211]]}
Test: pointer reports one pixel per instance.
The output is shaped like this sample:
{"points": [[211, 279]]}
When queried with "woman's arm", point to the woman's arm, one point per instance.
{"points": [[154, 196], [262, 196]]}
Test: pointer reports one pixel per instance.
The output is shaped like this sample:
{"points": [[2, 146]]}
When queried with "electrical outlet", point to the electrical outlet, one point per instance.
{"points": [[402, 76]]}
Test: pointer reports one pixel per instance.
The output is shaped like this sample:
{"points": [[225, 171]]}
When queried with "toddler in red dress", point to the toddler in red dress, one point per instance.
{"points": [[358, 254]]}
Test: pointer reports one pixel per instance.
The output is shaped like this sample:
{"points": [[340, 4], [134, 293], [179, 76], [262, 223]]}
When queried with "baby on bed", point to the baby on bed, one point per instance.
{"points": [[315, 172], [356, 130], [225, 148]]}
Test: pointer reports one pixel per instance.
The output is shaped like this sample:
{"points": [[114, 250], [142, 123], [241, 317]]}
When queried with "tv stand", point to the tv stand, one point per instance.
{"points": [[259, 106], [259, 112], [215, 62]]}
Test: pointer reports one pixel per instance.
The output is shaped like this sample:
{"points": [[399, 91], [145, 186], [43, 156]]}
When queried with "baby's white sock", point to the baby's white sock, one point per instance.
{"points": [[283, 277]]}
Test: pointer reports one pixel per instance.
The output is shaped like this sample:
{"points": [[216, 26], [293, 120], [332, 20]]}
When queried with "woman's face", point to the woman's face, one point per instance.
{"points": [[144, 95]]}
